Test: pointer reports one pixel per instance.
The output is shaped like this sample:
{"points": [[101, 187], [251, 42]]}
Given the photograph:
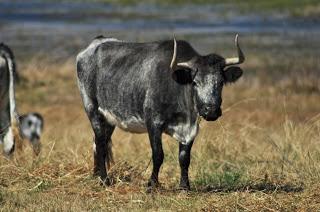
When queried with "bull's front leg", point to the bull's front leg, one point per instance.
{"points": [[157, 153], [184, 161]]}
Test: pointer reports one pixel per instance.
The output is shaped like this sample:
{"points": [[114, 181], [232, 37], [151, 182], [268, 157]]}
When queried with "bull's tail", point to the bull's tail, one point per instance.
{"points": [[109, 156], [7, 54]]}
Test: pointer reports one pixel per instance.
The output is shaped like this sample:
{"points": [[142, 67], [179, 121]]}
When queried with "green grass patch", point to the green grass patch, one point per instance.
{"points": [[223, 180]]}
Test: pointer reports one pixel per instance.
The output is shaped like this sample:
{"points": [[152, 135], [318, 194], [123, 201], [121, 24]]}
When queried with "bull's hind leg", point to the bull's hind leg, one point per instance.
{"points": [[102, 141], [102, 145], [184, 160]]}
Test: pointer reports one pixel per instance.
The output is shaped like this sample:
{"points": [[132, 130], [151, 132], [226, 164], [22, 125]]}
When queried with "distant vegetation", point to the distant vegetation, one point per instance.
{"points": [[292, 7]]}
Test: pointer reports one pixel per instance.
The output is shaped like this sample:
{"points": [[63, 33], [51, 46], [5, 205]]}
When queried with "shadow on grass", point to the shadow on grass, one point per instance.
{"points": [[266, 187], [235, 180], [249, 188]]}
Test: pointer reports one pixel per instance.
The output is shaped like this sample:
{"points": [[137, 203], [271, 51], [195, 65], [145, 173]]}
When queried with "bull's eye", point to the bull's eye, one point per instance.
{"points": [[29, 123]]}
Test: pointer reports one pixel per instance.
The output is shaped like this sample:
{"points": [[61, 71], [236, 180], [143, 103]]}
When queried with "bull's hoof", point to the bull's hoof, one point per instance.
{"points": [[153, 183], [153, 186], [184, 187], [104, 181]]}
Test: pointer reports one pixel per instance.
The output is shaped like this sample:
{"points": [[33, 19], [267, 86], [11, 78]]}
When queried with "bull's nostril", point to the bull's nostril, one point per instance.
{"points": [[206, 109], [211, 110]]}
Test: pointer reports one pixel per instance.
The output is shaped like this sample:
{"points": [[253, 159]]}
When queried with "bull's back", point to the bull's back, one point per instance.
{"points": [[109, 58]]}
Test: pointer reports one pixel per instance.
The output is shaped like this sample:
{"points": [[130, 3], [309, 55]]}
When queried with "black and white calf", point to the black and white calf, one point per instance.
{"points": [[31, 127], [158, 87], [28, 126]]}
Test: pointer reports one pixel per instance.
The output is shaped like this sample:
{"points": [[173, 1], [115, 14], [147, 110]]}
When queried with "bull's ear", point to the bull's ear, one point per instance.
{"points": [[182, 75], [232, 74]]}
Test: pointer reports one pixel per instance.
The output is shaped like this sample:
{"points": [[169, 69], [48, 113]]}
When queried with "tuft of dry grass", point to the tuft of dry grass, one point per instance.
{"points": [[263, 154]]}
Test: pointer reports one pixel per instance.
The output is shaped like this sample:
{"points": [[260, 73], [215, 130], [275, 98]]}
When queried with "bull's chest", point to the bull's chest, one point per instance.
{"points": [[184, 132]]}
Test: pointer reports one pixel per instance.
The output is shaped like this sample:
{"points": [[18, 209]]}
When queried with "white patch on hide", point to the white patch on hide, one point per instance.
{"points": [[185, 132], [132, 124], [182, 153], [8, 141], [94, 147]]}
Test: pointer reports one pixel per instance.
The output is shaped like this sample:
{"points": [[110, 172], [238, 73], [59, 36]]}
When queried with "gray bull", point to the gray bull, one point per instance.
{"points": [[158, 87]]}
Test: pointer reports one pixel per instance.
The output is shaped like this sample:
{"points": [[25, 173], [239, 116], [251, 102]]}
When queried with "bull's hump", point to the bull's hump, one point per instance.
{"points": [[94, 44]]}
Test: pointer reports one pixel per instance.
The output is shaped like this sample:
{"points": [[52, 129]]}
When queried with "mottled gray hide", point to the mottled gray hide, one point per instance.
{"points": [[136, 87]]}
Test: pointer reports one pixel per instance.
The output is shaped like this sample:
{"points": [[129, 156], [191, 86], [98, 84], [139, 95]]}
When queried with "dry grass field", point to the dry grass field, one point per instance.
{"points": [[263, 154]]}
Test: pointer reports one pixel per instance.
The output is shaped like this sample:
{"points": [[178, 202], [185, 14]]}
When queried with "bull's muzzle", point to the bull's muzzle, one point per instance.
{"points": [[211, 115]]}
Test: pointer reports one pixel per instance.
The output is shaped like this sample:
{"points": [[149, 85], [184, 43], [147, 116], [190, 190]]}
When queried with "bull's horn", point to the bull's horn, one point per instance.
{"points": [[174, 56], [185, 64], [174, 63], [236, 60]]}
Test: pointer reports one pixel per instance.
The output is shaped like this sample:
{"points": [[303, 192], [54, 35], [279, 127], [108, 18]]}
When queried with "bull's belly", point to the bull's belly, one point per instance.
{"points": [[184, 132], [133, 124]]}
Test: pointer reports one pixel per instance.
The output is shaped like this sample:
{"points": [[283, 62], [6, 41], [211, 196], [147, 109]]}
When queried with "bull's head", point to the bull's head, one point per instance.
{"points": [[208, 74]]}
